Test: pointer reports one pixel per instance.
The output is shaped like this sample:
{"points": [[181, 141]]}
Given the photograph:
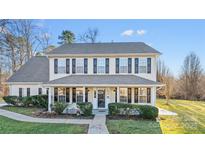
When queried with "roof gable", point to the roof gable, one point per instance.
{"points": [[35, 70]]}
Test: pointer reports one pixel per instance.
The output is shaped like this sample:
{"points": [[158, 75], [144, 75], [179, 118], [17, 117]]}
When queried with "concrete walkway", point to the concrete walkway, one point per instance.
{"points": [[21, 117], [166, 112], [98, 125]]}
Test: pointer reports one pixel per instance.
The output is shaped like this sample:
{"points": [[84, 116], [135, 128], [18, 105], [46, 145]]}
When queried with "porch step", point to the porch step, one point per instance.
{"points": [[100, 111]]}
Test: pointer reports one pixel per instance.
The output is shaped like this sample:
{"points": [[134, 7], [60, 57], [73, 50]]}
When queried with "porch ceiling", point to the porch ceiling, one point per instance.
{"points": [[102, 80]]}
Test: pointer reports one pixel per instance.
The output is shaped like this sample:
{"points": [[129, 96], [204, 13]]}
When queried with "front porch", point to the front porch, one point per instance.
{"points": [[101, 96]]}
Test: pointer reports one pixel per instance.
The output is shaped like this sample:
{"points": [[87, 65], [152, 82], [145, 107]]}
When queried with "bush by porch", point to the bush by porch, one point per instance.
{"points": [[143, 111]]}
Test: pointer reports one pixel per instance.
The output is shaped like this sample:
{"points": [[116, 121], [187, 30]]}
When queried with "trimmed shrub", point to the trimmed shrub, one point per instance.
{"points": [[59, 107], [40, 101], [14, 100], [148, 112], [144, 111], [86, 108]]}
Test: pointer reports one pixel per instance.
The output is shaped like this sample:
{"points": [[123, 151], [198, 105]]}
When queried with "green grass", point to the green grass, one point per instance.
{"points": [[190, 118], [133, 127], [22, 110], [9, 126]]}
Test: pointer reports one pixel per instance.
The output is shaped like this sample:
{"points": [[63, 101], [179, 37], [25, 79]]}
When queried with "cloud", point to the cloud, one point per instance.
{"points": [[141, 32], [129, 32]]}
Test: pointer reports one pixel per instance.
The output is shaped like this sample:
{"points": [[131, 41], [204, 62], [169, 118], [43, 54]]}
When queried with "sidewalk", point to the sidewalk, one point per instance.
{"points": [[21, 117], [98, 125]]}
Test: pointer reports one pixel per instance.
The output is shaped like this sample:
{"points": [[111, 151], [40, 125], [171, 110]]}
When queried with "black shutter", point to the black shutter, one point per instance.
{"points": [[149, 65], [55, 66], [55, 94], [95, 65], [129, 65], [129, 95], [136, 65], [86, 94], [115, 95], [67, 66], [136, 95], [107, 65], [40, 91], [28, 91], [117, 65], [74, 95], [67, 94], [85, 65], [20, 92], [148, 95], [73, 66]]}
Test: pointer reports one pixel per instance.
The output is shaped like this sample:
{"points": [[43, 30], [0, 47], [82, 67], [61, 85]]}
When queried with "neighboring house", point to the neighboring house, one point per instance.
{"points": [[100, 73]]}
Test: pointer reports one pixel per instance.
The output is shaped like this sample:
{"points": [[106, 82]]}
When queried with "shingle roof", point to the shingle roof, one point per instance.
{"points": [[35, 70], [104, 48], [103, 79]]}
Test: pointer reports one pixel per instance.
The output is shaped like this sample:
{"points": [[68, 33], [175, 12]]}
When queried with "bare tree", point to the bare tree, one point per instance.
{"points": [[164, 76], [90, 36], [191, 76]]}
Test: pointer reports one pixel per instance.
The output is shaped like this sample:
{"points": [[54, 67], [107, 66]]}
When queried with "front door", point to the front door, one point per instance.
{"points": [[101, 98]]}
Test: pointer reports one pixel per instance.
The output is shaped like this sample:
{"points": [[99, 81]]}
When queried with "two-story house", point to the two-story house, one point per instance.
{"points": [[100, 73]]}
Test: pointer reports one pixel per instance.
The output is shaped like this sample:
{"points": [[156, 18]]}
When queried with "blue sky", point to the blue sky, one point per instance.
{"points": [[174, 38]]}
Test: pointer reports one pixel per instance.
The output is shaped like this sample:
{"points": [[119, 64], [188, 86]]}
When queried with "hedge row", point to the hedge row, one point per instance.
{"points": [[86, 108], [144, 111], [40, 101]]}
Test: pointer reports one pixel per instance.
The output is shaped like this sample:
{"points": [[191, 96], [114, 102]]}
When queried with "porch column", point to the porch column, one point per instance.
{"points": [[49, 99], [71, 94], [132, 95], [83, 94], [118, 94], [153, 96]]}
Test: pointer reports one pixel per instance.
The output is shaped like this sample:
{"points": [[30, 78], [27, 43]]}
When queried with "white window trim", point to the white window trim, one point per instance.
{"points": [[139, 95], [120, 65], [101, 59], [126, 95], [77, 89], [145, 65], [62, 63], [81, 62]]}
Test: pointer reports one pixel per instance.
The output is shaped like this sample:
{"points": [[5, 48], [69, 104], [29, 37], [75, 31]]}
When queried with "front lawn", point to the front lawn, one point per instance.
{"points": [[133, 127], [190, 118], [9, 126], [22, 110]]}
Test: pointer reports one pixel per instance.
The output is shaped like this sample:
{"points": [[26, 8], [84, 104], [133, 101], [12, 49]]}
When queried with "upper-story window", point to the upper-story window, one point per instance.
{"points": [[123, 65], [143, 65], [61, 66], [79, 65], [101, 65]]}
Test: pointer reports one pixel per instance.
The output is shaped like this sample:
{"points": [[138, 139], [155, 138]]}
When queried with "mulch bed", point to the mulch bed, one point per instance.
{"points": [[62, 116]]}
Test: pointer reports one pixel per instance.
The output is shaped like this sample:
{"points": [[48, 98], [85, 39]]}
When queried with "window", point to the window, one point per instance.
{"points": [[28, 91], [142, 95], [123, 95], [123, 65], [79, 95], [101, 65], [40, 91], [20, 92], [61, 66], [61, 94], [142, 65], [80, 65]]}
